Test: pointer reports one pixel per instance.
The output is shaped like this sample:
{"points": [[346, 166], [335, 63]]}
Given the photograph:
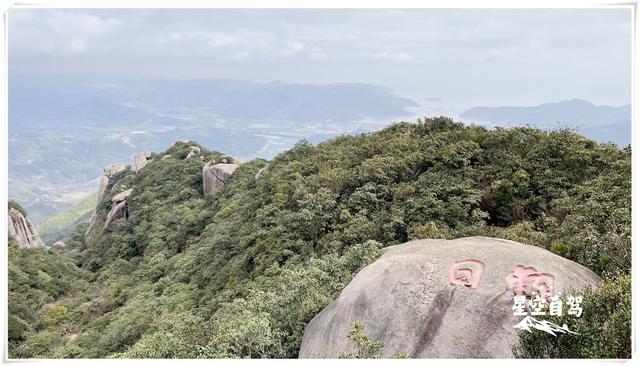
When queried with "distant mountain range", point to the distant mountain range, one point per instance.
{"points": [[63, 129], [35, 102], [602, 123]]}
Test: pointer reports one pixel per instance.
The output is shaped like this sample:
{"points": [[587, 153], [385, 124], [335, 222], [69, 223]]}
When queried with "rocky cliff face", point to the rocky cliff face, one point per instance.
{"points": [[109, 172], [20, 229], [118, 210], [140, 161], [443, 298], [216, 174]]}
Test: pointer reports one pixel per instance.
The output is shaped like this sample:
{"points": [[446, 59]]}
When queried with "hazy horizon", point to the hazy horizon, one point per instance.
{"points": [[445, 59]]}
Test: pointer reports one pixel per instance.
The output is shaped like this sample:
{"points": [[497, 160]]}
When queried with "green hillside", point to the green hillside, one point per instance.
{"points": [[60, 225], [240, 273]]}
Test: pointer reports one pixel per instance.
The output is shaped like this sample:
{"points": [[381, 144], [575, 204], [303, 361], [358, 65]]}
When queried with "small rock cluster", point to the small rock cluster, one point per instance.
{"points": [[215, 175]]}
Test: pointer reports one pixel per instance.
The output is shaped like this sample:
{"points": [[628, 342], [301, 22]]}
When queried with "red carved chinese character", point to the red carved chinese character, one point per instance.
{"points": [[467, 273], [542, 283], [524, 278]]}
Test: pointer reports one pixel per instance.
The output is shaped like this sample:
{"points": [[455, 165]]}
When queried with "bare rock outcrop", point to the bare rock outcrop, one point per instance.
{"points": [[109, 171], [444, 299], [113, 169], [140, 161], [259, 173], [122, 196], [216, 174], [118, 210], [193, 150], [60, 245], [22, 231]]}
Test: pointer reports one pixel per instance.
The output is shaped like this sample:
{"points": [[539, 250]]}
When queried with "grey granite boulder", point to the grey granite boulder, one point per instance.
{"points": [[118, 211], [215, 176], [119, 208], [443, 298], [140, 161], [109, 171], [113, 169], [121, 196], [22, 231], [58, 245]]}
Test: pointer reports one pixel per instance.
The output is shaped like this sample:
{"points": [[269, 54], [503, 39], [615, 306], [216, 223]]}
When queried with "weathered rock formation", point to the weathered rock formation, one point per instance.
{"points": [[113, 169], [118, 210], [122, 196], [20, 229], [259, 173], [193, 150], [443, 298], [109, 171], [140, 161], [165, 157], [216, 175], [58, 245]]}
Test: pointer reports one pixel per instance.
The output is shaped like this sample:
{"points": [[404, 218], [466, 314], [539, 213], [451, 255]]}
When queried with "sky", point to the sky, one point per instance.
{"points": [[442, 58]]}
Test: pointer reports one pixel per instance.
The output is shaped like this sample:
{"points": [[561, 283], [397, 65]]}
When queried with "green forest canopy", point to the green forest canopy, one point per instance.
{"points": [[240, 273]]}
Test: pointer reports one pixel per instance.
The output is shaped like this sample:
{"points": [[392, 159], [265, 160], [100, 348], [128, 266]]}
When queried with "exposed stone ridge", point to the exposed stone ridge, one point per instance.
{"points": [[20, 229], [140, 161], [109, 171]]}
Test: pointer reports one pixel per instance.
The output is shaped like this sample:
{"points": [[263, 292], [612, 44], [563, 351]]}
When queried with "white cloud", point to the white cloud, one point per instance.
{"points": [[317, 54], [66, 32], [556, 53]]}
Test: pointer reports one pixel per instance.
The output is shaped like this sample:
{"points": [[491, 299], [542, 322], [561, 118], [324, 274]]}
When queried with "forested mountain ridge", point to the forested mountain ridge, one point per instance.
{"points": [[242, 271]]}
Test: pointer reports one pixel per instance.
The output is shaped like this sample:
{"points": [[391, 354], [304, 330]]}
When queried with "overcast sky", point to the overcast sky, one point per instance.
{"points": [[461, 58]]}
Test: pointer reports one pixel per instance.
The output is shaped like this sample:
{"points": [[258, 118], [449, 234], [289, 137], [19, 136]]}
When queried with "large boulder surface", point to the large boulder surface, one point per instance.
{"points": [[22, 231], [109, 171], [60, 245], [121, 196], [215, 176], [118, 211], [442, 299], [140, 161]]}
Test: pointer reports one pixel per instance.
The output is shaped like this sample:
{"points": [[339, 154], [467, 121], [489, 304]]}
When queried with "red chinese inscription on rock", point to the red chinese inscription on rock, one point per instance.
{"points": [[524, 280], [467, 272]]}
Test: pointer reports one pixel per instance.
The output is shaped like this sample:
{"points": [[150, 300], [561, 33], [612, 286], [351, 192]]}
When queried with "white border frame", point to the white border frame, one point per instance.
{"points": [[338, 4]]}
